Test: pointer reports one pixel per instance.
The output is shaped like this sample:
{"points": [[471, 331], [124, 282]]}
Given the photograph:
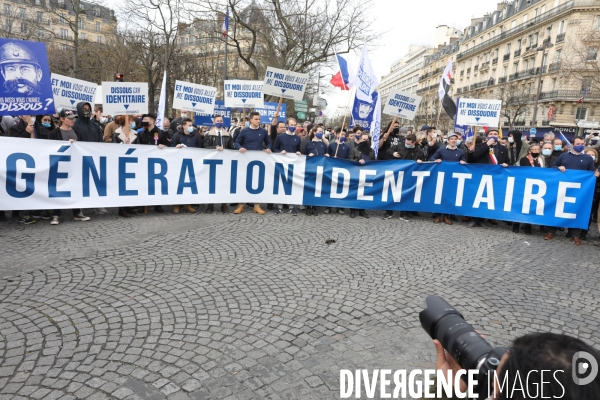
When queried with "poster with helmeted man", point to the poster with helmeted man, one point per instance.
{"points": [[362, 112], [25, 88]]}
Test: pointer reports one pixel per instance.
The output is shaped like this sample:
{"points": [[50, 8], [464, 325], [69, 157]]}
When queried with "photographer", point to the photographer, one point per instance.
{"points": [[525, 359]]}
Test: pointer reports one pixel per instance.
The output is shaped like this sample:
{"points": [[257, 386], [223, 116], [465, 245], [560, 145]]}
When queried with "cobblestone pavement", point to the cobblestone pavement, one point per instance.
{"points": [[260, 307]]}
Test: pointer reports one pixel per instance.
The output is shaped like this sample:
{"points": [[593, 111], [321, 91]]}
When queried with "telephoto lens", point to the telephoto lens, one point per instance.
{"points": [[444, 323]]}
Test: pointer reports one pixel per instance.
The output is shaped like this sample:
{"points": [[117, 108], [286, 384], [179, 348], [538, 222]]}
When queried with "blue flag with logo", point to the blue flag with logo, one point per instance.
{"points": [[363, 112], [26, 87]]}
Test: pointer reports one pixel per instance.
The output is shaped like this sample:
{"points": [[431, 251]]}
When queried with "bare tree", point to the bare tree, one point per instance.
{"points": [[516, 101], [579, 65]]}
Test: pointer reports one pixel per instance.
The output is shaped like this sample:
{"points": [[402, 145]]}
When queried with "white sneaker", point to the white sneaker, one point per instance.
{"points": [[81, 217], [55, 220]]}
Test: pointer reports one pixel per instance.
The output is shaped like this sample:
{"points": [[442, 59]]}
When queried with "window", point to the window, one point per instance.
{"points": [[82, 24], [37, 2], [508, 48], [63, 47], [554, 84], [97, 26], [543, 9], [513, 24], [557, 55], [535, 13], [519, 44], [561, 27], [99, 39], [548, 32], [581, 114], [82, 36], [597, 23], [544, 59], [516, 5], [524, 18], [494, 18], [7, 9], [592, 54], [63, 33], [23, 27], [39, 16], [22, 13], [62, 20], [516, 67], [40, 33], [586, 83]]}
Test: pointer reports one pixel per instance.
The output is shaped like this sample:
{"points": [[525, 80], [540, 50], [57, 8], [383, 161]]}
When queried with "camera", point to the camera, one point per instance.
{"points": [[444, 323]]}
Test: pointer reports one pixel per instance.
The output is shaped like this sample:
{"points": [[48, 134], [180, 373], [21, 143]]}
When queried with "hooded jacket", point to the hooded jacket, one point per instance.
{"points": [[519, 149], [89, 130]]}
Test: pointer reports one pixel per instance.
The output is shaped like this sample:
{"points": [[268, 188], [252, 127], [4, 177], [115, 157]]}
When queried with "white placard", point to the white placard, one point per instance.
{"points": [[68, 92], [402, 104], [125, 98], [193, 97], [478, 112], [98, 98], [286, 84], [247, 94]]}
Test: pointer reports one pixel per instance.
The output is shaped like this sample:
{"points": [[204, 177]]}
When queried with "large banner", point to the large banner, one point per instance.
{"points": [[246, 94], [47, 174], [70, 91], [25, 88], [125, 98], [193, 97]]}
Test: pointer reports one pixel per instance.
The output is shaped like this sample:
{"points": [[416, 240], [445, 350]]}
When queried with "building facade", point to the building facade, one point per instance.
{"points": [[56, 22], [540, 57]]}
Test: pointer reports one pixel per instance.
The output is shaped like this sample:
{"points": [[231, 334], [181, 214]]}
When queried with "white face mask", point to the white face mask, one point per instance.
{"points": [[511, 140]]}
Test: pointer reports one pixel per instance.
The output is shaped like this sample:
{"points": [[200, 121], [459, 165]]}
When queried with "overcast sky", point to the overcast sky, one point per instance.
{"points": [[410, 22]]}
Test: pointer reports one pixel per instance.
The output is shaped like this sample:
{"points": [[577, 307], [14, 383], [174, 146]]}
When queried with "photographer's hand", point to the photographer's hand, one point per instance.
{"points": [[444, 362]]}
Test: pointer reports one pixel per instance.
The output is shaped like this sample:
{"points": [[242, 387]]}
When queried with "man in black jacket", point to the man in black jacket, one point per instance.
{"points": [[89, 130], [150, 134]]}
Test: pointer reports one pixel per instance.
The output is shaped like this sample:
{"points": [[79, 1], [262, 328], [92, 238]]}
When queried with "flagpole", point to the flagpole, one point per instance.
{"points": [[226, 45], [347, 107]]}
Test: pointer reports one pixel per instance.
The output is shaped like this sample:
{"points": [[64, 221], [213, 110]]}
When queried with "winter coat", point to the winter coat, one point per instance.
{"points": [[90, 131]]}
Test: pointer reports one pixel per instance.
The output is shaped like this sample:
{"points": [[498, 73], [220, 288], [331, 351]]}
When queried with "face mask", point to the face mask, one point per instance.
{"points": [[132, 125], [319, 135], [458, 142], [87, 114], [593, 158], [342, 139], [292, 129], [190, 129], [535, 155], [218, 125], [557, 148], [103, 120], [511, 140], [145, 123], [396, 131], [594, 141], [46, 124], [579, 148], [547, 152], [184, 116], [409, 146], [364, 145]]}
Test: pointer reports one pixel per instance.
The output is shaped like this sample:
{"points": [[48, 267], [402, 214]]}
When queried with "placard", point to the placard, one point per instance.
{"points": [[70, 91], [125, 98], [207, 119], [478, 112], [268, 112], [246, 94], [193, 97], [286, 84], [402, 104]]}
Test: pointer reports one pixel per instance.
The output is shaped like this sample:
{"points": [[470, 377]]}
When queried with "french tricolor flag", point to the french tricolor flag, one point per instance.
{"points": [[343, 78], [226, 24]]}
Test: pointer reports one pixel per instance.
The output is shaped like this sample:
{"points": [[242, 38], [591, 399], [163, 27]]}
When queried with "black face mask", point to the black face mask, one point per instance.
{"points": [[535, 155], [396, 131], [364, 146], [145, 124]]}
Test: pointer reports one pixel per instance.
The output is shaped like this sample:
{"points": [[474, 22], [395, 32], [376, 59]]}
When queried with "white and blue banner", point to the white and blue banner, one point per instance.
{"points": [[402, 104], [207, 119], [478, 112], [47, 174], [363, 112], [268, 112], [193, 97], [286, 84], [70, 91], [246, 94], [125, 98], [25, 87]]}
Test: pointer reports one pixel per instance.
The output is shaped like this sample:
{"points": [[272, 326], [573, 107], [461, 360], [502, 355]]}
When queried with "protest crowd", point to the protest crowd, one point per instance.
{"points": [[90, 124]]}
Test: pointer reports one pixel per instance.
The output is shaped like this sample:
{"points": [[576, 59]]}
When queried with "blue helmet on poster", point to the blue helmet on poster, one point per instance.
{"points": [[362, 112], [26, 85]]}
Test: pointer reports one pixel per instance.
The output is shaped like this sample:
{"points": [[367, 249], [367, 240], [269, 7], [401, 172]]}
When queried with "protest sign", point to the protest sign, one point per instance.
{"points": [[286, 84], [267, 113], [402, 104], [26, 88], [207, 119], [70, 91], [125, 98], [478, 112], [246, 94], [193, 97], [363, 112]]}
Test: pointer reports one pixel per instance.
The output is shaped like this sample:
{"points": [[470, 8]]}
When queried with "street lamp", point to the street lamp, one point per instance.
{"points": [[545, 45]]}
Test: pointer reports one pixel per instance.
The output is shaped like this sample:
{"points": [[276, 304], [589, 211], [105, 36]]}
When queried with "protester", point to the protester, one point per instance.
{"points": [[67, 132], [179, 121], [125, 133], [218, 138], [316, 146], [548, 137], [533, 159], [44, 125], [450, 153], [518, 149], [355, 137], [431, 144], [339, 148], [362, 153], [252, 138], [287, 142], [187, 136], [593, 152], [389, 139], [577, 160], [89, 130], [558, 149]]}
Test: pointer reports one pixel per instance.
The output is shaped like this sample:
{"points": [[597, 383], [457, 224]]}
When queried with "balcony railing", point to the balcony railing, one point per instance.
{"points": [[518, 29], [569, 95], [495, 61], [554, 66], [518, 52], [506, 57], [468, 71], [502, 80], [476, 68], [485, 65], [462, 72], [560, 38]]}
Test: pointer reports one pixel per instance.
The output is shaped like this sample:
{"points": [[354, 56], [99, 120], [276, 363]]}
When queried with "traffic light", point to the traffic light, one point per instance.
{"points": [[119, 77]]}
